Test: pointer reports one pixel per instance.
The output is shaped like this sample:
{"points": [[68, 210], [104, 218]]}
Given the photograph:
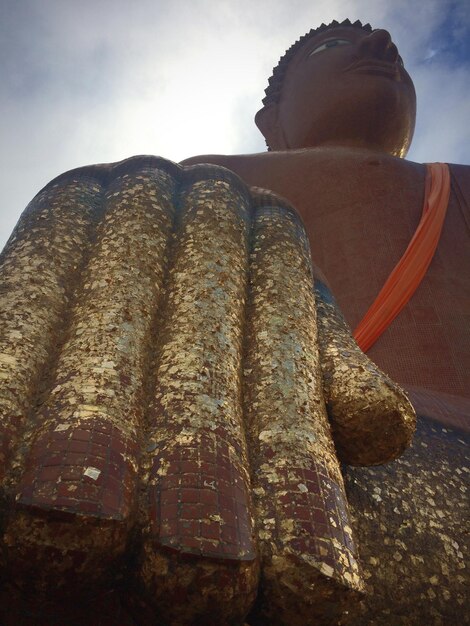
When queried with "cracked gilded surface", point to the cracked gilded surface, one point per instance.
{"points": [[196, 462], [411, 518], [127, 340], [38, 268], [371, 417], [309, 562], [83, 456]]}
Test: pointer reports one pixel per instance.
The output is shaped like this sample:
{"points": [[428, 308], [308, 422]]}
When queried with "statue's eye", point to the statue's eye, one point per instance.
{"points": [[331, 43]]}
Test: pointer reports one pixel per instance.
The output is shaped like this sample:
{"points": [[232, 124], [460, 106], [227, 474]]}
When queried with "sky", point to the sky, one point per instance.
{"points": [[102, 80]]}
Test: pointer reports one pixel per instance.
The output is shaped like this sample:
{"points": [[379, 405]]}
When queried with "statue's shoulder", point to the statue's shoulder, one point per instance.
{"points": [[285, 167], [302, 174], [460, 180]]}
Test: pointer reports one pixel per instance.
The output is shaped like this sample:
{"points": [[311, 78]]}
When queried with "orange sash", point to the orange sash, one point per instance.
{"points": [[411, 268]]}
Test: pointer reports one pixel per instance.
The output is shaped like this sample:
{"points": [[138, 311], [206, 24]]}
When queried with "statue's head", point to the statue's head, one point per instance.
{"points": [[341, 84]]}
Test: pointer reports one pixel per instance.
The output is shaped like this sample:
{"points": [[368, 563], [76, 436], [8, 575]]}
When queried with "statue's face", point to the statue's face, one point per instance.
{"points": [[347, 87]]}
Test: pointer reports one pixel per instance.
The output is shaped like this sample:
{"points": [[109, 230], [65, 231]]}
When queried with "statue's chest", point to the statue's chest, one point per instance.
{"points": [[358, 233], [362, 204], [360, 219]]}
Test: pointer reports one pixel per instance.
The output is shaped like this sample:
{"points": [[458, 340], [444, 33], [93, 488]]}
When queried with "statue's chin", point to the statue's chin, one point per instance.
{"points": [[380, 119]]}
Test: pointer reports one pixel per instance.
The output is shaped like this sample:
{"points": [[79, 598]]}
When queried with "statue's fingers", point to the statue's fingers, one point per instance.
{"points": [[198, 538], [76, 499], [309, 561], [39, 268], [372, 419]]}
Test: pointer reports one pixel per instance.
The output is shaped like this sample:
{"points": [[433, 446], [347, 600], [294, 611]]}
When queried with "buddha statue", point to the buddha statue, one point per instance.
{"points": [[177, 399], [338, 118]]}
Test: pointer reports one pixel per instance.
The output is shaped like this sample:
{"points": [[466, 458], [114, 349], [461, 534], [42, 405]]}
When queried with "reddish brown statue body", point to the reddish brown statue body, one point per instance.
{"points": [[338, 115]]}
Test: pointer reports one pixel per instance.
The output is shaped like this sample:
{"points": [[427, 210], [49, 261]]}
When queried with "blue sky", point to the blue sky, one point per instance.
{"points": [[100, 80]]}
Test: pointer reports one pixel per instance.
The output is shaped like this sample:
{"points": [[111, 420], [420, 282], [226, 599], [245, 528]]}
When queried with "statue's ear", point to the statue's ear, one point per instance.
{"points": [[267, 120]]}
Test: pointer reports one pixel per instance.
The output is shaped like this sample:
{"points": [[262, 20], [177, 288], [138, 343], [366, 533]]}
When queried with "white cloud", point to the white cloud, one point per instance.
{"points": [[101, 80], [442, 129]]}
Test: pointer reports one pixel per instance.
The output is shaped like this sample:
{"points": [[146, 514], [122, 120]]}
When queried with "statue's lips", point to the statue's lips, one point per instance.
{"points": [[379, 68]]}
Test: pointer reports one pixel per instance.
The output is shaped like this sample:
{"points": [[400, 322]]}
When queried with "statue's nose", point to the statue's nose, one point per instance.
{"points": [[379, 45]]}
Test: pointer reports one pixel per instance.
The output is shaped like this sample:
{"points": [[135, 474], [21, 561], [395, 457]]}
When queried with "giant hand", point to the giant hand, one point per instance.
{"points": [[162, 382]]}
